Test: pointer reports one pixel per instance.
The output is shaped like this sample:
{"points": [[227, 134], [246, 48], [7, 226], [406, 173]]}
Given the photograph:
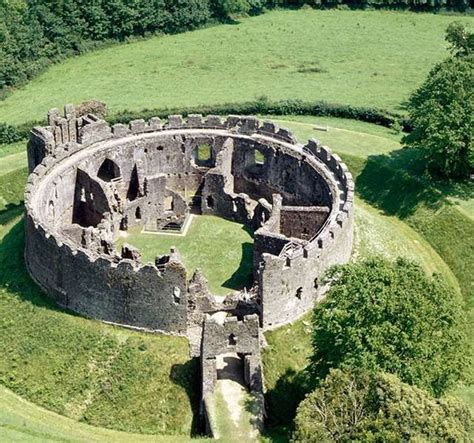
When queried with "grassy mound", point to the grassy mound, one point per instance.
{"points": [[25, 422], [362, 58], [398, 212], [221, 249], [80, 368]]}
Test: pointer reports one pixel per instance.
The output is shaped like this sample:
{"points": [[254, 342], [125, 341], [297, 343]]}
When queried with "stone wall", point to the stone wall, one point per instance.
{"points": [[90, 181]]}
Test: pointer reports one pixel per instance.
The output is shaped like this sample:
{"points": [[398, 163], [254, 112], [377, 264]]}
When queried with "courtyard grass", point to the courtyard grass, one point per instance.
{"points": [[362, 58], [221, 249]]}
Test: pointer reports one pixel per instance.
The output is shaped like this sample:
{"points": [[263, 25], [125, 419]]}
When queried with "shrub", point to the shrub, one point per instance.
{"points": [[442, 110], [389, 316], [363, 406], [9, 134]]}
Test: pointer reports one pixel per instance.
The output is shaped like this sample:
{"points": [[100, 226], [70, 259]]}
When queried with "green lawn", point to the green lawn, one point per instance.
{"points": [[22, 421], [14, 148], [364, 58], [220, 248]]}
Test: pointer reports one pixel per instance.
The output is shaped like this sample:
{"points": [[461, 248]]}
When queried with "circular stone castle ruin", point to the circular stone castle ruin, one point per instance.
{"points": [[90, 181]]}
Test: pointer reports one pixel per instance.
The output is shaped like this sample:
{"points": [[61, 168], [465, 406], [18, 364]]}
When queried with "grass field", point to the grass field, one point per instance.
{"points": [[22, 421], [364, 58], [221, 249]]}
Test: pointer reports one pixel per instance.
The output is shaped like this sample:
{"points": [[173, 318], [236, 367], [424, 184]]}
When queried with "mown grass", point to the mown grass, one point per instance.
{"points": [[221, 249], [363, 58], [14, 148]]}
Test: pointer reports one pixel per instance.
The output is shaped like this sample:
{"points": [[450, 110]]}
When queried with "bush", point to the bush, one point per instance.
{"points": [[391, 317], [9, 134], [362, 406], [281, 107]]}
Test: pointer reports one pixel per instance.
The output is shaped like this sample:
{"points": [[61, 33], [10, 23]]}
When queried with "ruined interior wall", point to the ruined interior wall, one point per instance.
{"points": [[283, 172], [302, 222]]}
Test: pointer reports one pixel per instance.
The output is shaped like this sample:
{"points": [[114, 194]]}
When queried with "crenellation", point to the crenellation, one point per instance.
{"points": [[120, 130], [175, 121], [82, 193], [195, 121], [137, 126]]}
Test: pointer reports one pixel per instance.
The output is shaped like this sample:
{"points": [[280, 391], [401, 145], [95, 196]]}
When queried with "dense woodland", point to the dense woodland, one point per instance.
{"points": [[36, 33]]}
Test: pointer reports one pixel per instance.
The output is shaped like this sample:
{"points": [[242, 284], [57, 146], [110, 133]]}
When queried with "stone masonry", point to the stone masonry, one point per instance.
{"points": [[89, 182]]}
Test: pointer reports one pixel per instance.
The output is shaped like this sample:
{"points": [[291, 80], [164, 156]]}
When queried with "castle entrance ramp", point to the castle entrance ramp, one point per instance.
{"points": [[234, 410]]}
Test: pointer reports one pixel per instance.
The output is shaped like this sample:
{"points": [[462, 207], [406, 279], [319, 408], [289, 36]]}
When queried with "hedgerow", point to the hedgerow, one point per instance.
{"points": [[11, 134]]}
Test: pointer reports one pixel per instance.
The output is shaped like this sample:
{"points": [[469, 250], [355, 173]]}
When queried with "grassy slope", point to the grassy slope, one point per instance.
{"points": [[220, 248], [415, 219], [22, 421], [364, 58], [81, 368]]}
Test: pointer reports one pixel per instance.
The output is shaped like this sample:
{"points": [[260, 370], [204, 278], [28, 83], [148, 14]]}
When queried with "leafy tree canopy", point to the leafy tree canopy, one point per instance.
{"points": [[391, 317], [442, 110], [377, 407], [461, 41]]}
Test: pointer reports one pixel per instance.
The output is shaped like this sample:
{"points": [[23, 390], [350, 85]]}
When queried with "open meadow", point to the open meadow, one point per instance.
{"points": [[362, 58]]}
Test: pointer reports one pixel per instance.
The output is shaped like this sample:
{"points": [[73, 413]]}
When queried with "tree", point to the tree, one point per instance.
{"points": [[391, 317], [353, 405], [229, 8], [461, 41], [442, 110]]}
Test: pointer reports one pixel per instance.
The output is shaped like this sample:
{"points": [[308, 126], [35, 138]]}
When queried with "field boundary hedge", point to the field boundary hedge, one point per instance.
{"points": [[15, 133]]}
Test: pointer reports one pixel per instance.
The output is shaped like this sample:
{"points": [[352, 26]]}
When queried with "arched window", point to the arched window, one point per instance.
{"points": [[203, 155], [259, 158], [108, 171], [299, 293], [138, 213], [51, 211], [169, 203], [176, 295]]}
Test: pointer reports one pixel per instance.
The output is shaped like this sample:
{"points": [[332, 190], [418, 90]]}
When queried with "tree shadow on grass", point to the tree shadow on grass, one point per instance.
{"points": [[188, 377], [397, 184], [11, 211], [283, 399]]}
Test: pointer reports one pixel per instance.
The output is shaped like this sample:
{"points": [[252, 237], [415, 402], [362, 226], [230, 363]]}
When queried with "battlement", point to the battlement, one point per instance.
{"points": [[90, 180]]}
